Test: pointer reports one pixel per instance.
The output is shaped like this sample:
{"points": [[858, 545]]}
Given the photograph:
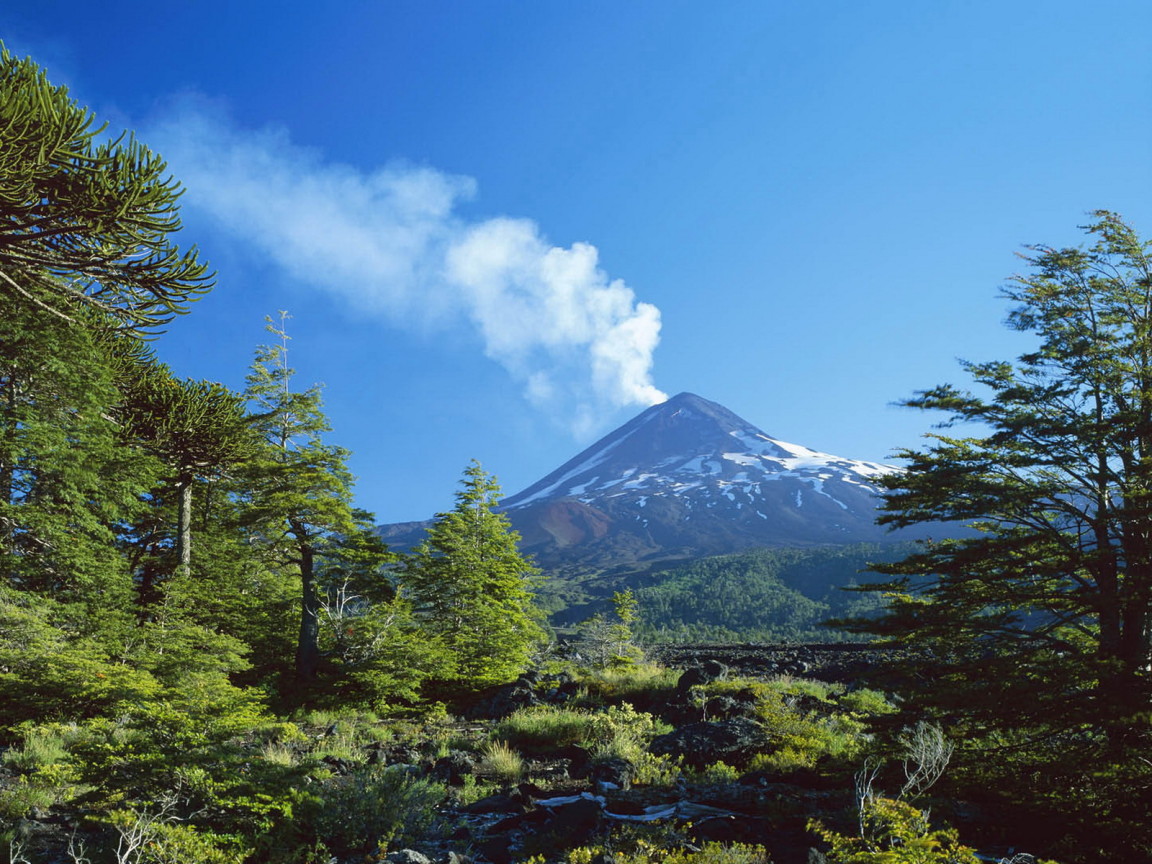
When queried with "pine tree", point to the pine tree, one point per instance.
{"points": [[473, 588]]}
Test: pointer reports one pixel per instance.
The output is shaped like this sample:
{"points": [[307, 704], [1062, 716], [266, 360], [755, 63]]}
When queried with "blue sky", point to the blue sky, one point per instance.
{"points": [[504, 228]]}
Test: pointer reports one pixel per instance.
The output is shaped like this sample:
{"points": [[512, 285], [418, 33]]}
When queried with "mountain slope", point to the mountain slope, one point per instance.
{"points": [[688, 478]]}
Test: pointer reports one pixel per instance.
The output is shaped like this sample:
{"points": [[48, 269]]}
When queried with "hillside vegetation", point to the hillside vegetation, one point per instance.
{"points": [[207, 656]]}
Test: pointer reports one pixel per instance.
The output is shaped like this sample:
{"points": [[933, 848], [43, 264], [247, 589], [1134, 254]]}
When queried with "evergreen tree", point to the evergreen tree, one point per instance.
{"points": [[67, 485], [197, 428], [84, 220], [298, 497], [473, 588], [1043, 619]]}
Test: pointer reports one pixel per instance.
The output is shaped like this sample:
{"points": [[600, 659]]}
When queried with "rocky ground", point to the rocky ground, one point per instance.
{"points": [[565, 798], [567, 801], [838, 662]]}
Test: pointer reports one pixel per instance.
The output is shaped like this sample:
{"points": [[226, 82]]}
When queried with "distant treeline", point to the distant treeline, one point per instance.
{"points": [[766, 595]]}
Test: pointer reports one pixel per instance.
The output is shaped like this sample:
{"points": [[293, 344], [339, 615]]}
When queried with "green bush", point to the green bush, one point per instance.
{"points": [[361, 811], [808, 722], [894, 832]]}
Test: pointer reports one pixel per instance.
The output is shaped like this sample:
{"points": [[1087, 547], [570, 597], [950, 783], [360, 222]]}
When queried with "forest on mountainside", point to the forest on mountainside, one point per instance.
{"points": [[765, 595], [207, 655]]}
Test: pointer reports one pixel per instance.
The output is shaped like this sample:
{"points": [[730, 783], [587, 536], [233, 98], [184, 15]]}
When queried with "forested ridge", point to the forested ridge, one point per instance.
{"points": [[766, 595], [207, 654]]}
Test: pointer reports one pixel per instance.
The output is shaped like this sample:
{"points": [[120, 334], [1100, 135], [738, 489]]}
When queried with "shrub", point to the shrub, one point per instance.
{"points": [[639, 682], [542, 728], [502, 762], [805, 720], [372, 807], [894, 832], [709, 853]]}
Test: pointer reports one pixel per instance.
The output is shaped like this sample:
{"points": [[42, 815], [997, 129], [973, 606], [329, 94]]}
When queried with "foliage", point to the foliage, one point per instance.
{"points": [[196, 428], [472, 588], [66, 481], [807, 723], [1052, 600], [368, 809], [84, 220], [894, 832], [609, 641], [145, 837], [640, 682], [648, 845], [620, 730], [296, 500], [768, 595]]}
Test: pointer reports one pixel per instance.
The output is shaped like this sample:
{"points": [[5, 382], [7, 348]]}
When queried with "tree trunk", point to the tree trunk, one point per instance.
{"points": [[307, 646], [184, 527]]}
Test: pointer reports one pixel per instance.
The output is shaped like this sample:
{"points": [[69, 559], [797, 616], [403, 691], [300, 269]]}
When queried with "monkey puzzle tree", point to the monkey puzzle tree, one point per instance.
{"points": [[196, 428], [84, 218]]}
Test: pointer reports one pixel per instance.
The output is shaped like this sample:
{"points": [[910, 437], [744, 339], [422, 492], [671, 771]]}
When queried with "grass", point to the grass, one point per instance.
{"points": [[637, 683], [502, 762], [41, 747], [279, 754], [543, 728]]}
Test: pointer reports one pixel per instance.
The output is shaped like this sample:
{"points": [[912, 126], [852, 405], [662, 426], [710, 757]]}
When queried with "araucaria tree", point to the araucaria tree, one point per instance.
{"points": [[84, 222], [1042, 619], [472, 588]]}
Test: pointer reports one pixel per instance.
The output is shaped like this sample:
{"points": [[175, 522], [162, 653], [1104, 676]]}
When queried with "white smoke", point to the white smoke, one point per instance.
{"points": [[391, 243]]}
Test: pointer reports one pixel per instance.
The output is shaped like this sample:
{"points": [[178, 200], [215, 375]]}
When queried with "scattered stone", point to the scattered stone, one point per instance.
{"points": [[741, 704], [573, 822], [497, 850], [499, 803], [710, 670], [454, 767], [340, 766], [407, 856], [505, 700], [722, 829], [612, 774], [579, 760], [733, 742]]}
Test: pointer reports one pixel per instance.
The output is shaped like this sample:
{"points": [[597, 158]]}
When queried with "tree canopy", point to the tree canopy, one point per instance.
{"points": [[85, 219], [472, 587], [1041, 619]]}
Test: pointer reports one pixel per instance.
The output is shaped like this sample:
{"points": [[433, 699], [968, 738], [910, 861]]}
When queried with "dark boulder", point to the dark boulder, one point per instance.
{"points": [[733, 742], [407, 856], [615, 773], [709, 670], [453, 768]]}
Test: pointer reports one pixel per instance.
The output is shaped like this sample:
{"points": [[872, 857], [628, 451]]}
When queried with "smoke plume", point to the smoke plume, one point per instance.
{"points": [[392, 243]]}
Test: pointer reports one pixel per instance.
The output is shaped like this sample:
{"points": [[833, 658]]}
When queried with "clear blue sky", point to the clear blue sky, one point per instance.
{"points": [[483, 215]]}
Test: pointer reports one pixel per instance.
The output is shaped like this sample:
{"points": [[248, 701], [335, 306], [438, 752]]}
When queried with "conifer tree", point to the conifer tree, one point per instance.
{"points": [[472, 587], [298, 497], [197, 428], [1043, 619], [67, 484], [84, 220]]}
